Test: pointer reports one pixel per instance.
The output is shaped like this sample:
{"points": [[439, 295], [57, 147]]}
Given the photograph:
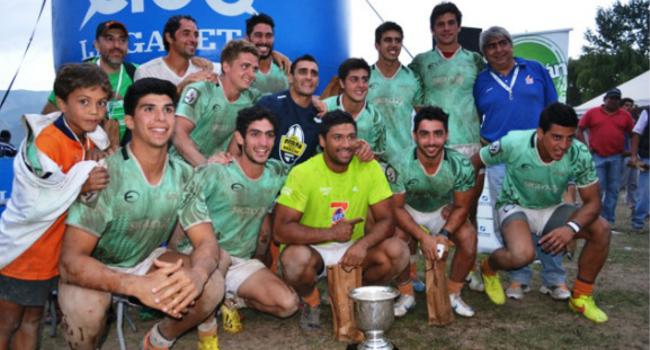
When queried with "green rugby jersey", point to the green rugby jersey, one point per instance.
{"points": [[394, 97], [448, 84], [370, 125], [273, 81], [131, 217], [429, 192], [530, 182], [237, 204], [205, 105]]}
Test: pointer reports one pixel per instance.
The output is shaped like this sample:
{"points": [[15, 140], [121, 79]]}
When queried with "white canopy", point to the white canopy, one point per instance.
{"points": [[637, 89]]}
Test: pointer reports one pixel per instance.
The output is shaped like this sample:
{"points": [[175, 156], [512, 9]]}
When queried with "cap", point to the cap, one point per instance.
{"points": [[613, 93], [104, 26]]}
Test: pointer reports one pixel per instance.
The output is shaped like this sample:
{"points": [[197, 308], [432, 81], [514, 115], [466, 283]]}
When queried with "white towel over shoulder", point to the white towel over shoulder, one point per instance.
{"points": [[37, 202]]}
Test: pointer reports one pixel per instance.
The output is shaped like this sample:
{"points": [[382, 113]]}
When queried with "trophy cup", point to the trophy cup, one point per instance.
{"points": [[373, 309]]}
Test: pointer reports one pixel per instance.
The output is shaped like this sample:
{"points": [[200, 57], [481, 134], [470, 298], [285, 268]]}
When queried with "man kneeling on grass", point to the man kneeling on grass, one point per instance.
{"points": [[539, 164], [320, 217], [111, 246]]}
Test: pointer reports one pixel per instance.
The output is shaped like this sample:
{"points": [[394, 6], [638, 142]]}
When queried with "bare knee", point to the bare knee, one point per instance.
{"points": [[213, 293], [287, 303], [599, 232], [297, 263], [522, 257], [11, 319], [398, 253], [466, 241]]}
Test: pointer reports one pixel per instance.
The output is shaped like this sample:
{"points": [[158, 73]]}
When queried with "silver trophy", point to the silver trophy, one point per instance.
{"points": [[373, 309]]}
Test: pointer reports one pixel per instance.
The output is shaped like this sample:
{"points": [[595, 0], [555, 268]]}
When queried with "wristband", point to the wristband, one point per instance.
{"points": [[444, 232], [574, 226]]}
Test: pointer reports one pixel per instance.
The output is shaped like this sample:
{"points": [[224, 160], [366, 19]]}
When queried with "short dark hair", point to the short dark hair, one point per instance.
{"points": [[430, 113], [305, 57], [172, 25], [441, 9], [352, 64], [385, 27], [246, 116], [334, 118], [74, 76], [257, 19], [625, 100], [148, 86], [560, 114]]}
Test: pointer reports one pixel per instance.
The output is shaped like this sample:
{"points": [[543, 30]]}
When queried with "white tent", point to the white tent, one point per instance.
{"points": [[637, 89]]}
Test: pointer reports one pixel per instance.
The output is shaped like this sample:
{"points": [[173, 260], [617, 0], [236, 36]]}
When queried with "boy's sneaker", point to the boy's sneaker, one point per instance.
{"points": [[585, 305], [418, 285], [403, 304], [459, 306], [309, 317], [516, 291], [560, 292], [474, 282], [493, 288]]}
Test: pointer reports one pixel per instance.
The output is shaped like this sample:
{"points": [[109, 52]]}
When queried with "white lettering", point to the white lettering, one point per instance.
{"points": [[171, 5], [137, 46], [155, 40], [204, 35], [229, 33], [85, 54], [137, 6]]}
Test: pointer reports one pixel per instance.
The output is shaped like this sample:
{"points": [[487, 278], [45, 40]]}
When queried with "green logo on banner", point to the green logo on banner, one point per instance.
{"points": [[548, 54]]}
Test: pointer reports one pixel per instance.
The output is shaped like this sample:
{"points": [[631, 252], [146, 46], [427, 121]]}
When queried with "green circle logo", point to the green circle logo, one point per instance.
{"points": [[549, 55]]}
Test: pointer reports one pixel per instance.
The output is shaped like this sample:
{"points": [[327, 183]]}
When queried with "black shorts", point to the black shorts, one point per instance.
{"points": [[26, 292]]}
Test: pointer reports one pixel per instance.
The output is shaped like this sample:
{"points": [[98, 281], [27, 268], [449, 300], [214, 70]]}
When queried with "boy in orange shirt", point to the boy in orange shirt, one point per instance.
{"points": [[82, 92]]}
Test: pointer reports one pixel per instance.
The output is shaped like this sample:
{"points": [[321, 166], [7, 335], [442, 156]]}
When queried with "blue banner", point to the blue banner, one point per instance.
{"points": [[315, 27]]}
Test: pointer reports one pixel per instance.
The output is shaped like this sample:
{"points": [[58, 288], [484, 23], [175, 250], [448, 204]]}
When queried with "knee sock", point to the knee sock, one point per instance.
{"points": [[313, 299], [406, 288], [454, 287], [486, 269], [582, 288], [413, 268], [208, 329], [157, 340]]}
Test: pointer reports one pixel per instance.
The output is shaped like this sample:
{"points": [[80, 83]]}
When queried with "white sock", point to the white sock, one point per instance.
{"points": [[208, 326], [158, 340]]}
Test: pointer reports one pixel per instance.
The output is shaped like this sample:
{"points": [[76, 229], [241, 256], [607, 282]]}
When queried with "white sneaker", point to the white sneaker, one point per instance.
{"points": [[403, 304], [474, 282], [516, 291], [459, 306], [556, 292]]}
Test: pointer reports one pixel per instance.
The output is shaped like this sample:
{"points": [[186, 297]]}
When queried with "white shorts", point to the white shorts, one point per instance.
{"points": [[331, 254], [144, 266], [239, 271], [433, 221], [536, 218]]}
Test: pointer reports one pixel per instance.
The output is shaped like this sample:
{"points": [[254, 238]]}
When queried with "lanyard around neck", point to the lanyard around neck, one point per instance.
{"points": [[512, 82], [119, 79]]}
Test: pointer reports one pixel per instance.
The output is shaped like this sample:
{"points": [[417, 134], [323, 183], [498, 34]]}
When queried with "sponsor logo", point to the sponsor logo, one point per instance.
{"points": [[236, 187], [495, 147], [110, 7], [391, 174], [549, 54], [339, 211], [131, 196], [191, 96], [292, 144], [325, 191]]}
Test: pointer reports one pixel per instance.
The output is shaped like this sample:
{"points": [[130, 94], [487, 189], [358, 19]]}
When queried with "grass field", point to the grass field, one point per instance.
{"points": [[536, 322]]}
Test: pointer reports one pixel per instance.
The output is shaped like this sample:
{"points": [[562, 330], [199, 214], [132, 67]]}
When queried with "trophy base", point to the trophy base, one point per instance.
{"points": [[355, 346]]}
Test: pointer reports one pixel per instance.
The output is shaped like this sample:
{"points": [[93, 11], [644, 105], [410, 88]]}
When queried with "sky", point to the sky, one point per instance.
{"points": [[37, 72]]}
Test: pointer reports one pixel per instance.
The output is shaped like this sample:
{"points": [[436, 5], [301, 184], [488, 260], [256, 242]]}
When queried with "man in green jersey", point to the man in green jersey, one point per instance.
{"points": [[239, 203], [353, 77], [539, 164], [432, 187], [111, 43], [270, 78], [447, 75], [111, 245], [393, 89], [320, 215], [208, 111]]}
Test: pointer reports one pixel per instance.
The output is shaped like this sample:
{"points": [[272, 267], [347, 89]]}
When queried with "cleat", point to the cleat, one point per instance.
{"points": [[403, 304], [459, 306], [418, 285], [230, 318], [309, 317], [516, 291], [208, 343], [493, 288], [560, 292], [586, 306], [474, 282]]}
